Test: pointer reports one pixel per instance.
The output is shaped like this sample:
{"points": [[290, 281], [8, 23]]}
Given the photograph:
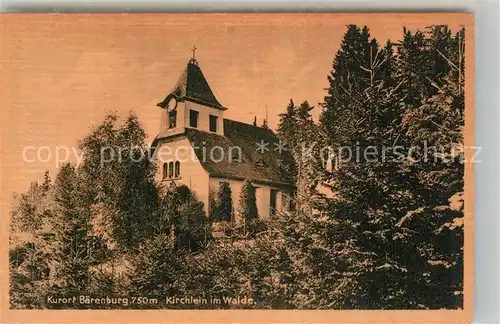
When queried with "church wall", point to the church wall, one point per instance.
{"points": [[181, 115], [180, 122], [203, 117], [235, 190], [192, 174], [263, 200], [263, 195]]}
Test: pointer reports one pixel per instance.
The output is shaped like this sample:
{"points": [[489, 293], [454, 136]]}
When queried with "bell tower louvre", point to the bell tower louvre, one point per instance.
{"points": [[191, 104]]}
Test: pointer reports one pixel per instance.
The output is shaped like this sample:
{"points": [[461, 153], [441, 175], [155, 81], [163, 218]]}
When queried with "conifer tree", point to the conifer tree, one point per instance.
{"points": [[214, 207], [72, 224], [190, 229], [360, 110], [436, 178], [31, 244], [397, 215], [157, 268], [286, 133], [248, 203], [31, 212], [224, 202], [303, 141], [362, 113], [286, 125], [46, 182]]}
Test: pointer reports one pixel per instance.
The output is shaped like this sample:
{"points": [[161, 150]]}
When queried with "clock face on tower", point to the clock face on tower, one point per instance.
{"points": [[172, 104]]}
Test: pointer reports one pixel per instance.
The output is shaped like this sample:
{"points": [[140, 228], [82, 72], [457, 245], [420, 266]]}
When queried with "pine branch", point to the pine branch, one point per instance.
{"points": [[365, 69], [434, 84], [448, 60]]}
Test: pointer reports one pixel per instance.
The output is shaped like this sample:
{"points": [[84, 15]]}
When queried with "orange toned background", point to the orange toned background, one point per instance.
{"points": [[61, 73]]}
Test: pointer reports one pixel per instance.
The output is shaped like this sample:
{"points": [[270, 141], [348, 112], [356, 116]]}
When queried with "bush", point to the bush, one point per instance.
{"points": [[225, 202], [248, 203], [190, 227], [156, 269], [222, 205]]}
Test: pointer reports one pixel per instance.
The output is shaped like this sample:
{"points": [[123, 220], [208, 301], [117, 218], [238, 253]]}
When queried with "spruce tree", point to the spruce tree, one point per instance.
{"points": [[362, 113], [436, 178], [190, 228], [72, 223], [248, 203], [399, 208], [224, 202], [303, 143], [157, 269], [46, 182], [286, 133]]}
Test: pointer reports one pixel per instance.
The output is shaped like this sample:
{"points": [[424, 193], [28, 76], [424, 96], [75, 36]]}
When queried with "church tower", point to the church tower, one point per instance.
{"points": [[199, 148], [191, 104]]}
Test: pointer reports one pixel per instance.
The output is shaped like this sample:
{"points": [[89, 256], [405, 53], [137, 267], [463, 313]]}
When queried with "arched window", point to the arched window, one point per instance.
{"points": [[171, 169], [165, 170], [177, 169]]}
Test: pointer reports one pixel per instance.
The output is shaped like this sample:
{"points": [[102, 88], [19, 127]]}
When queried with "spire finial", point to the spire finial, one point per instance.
{"points": [[193, 59]]}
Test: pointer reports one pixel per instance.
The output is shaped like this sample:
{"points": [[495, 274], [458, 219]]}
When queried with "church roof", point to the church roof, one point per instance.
{"points": [[193, 86], [263, 166], [256, 165]]}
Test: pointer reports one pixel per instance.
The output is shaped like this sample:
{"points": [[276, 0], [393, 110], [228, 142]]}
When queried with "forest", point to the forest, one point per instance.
{"points": [[381, 234]]}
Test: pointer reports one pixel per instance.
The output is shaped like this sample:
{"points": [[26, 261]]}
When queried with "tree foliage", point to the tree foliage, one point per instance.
{"points": [[120, 177], [72, 224], [248, 203], [303, 141], [223, 205], [388, 235], [400, 204]]}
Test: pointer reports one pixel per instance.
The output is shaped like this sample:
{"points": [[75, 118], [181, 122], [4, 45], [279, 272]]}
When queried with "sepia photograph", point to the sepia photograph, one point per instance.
{"points": [[174, 162]]}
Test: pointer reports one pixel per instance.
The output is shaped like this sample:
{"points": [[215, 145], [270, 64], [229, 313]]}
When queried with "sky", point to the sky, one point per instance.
{"points": [[61, 74]]}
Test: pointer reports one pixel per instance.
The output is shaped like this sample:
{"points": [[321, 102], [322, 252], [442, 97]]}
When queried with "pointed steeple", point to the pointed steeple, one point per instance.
{"points": [[192, 86]]}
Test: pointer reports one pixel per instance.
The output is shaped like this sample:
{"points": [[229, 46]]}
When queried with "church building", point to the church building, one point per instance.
{"points": [[198, 147]]}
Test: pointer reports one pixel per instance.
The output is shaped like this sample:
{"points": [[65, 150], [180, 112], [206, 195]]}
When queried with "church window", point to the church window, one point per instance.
{"points": [[177, 169], [213, 123], [172, 119], [193, 118], [165, 170], [171, 169], [273, 198]]}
